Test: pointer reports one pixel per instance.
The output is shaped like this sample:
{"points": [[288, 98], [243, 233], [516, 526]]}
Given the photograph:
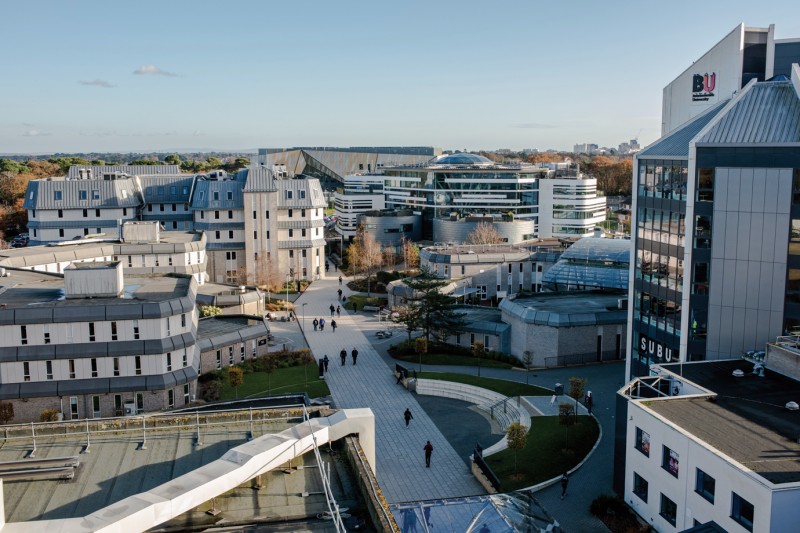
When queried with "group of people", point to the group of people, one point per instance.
{"points": [[343, 356], [319, 324]]}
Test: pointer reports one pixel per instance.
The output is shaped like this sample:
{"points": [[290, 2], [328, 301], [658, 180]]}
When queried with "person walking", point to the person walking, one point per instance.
{"points": [[408, 416], [325, 362], [333, 310], [333, 325], [588, 401], [338, 311], [564, 483], [340, 295], [354, 353], [322, 324], [340, 281], [343, 355], [428, 452], [327, 266], [355, 307], [316, 324]]}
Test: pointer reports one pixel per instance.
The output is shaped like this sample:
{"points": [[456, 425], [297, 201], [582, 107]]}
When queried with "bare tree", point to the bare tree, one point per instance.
{"points": [[484, 233], [389, 257], [410, 254], [371, 256]]}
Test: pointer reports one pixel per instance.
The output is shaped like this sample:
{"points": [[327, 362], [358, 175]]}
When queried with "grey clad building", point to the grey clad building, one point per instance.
{"points": [[717, 230]]}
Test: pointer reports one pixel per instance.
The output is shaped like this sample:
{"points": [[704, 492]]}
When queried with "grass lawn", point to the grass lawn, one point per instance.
{"points": [[282, 380], [449, 359], [544, 456], [363, 300], [507, 388]]}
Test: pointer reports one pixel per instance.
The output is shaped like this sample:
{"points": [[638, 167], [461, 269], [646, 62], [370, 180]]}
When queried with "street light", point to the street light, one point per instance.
{"points": [[304, 316], [288, 280]]}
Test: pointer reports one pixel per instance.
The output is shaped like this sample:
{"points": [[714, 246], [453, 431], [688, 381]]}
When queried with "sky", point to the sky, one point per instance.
{"points": [[103, 76]]}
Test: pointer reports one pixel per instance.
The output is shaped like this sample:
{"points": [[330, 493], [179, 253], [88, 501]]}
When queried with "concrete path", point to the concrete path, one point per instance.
{"points": [[401, 467]]}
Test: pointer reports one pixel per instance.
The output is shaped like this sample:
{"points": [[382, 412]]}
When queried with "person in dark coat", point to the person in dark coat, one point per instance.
{"points": [[564, 483], [322, 324], [408, 416], [333, 325], [428, 452], [355, 307], [343, 355], [333, 310], [354, 353], [316, 324], [340, 295], [325, 361], [588, 401], [338, 311], [340, 281]]}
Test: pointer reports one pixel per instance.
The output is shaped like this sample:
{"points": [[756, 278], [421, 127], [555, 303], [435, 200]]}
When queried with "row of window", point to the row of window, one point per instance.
{"points": [[119, 403], [94, 371], [742, 511], [83, 194], [113, 331]]}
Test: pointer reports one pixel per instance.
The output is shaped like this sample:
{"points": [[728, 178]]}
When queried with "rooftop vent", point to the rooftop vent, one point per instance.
{"points": [[141, 232], [93, 280]]}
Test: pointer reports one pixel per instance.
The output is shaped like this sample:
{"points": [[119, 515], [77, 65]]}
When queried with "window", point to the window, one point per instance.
{"points": [[255, 215], [83, 195], [169, 362], [302, 194], [216, 195], [230, 355], [137, 362], [170, 398], [216, 215], [95, 194], [230, 215], [116, 366], [26, 371], [303, 252], [185, 358], [255, 235], [230, 256], [640, 487], [57, 197], [135, 330], [124, 210], [174, 207], [302, 211], [742, 511], [96, 406], [303, 232], [186, 394], [49, 368], [94, 368], [23, 333], [61, 232], [266, 215], [185, 190], [97, 213], [183, 320], [60, 213], [216, 235], [291, 233], [291, 254], [669, 461], [288, 195], [85, 213], [91, 332], [73, 407], [290, 213], [113, 331], [202, 215], [704, 485], [166, 326], [219, 360], [139, 403], [642, 442], [241, 353], [669, 510], [230, 234], [705, 185], [71, 365]]}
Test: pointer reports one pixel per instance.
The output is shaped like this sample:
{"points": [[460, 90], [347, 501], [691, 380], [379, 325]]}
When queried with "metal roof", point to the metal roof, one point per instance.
{"points": [[259, 179], [305, 193], [204, 198], [566, 309], [167, 189], [132, 170], [766, 113], [80, 194], [676, 143]]}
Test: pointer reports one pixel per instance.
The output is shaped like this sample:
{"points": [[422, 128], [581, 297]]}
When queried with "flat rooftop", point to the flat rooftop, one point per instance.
{"points": [[573, 308], [223, 325], [746, 420], [27, 288]]}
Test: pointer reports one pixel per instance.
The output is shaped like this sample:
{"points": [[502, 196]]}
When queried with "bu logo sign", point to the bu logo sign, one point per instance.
{"points": [[703, 86], [654, 349]]}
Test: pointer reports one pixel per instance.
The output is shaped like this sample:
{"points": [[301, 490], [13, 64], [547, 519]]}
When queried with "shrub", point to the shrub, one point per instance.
{"points": [[209, 310], [6, 412], [210, 390], [49, 415]]}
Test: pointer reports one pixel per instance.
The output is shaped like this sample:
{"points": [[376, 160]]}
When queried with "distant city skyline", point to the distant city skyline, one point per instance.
{"points": [[99, 77]]}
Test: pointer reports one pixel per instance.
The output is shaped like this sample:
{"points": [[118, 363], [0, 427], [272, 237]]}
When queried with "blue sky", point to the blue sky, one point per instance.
{"points": [[141, 76]]}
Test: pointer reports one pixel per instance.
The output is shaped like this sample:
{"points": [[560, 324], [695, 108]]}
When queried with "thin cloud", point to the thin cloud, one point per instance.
{"points": [[34, 133], [153, 70], [98, 83], [535, 126]]}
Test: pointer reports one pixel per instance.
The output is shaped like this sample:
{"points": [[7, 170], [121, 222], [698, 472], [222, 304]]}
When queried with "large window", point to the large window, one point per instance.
{"points": [[705, 185], [704, 485], [642, 442], [640, 487], [669, 461], [669, 510], [742, 511]]}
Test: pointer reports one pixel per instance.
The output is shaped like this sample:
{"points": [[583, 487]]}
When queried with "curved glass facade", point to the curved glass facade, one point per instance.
{"points": [[591, 263]]}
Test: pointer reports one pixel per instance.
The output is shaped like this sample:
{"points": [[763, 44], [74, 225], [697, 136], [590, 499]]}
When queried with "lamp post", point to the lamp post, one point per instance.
{"points": [[304, 316], [288, 280]]}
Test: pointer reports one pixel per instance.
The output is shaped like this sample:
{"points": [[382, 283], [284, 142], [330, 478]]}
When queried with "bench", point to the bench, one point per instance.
{"points": [[370, 308]]}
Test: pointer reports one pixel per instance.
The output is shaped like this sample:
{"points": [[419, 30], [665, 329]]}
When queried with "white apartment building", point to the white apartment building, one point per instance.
{"points": [[705, 444], [357, 195], [569, 206]]}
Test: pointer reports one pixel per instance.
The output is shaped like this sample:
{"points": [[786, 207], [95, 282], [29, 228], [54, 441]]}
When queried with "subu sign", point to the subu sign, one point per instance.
{"points": [[654, 349]]}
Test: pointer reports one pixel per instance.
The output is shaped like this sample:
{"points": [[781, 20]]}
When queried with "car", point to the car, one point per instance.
{"points": [[384, 334]]}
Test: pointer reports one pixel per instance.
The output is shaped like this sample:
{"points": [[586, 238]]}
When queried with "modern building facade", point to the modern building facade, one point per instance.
{"points": [[743, 55], [260, 226], [716, 217], [356, 195]]}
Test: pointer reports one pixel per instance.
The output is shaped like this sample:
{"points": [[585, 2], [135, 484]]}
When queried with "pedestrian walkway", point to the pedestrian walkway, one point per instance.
{"points": [[401, 467]]}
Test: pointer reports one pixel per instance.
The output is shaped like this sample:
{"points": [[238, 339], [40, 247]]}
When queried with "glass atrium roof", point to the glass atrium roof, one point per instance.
{"points": [[591, 263], [463, 159]]}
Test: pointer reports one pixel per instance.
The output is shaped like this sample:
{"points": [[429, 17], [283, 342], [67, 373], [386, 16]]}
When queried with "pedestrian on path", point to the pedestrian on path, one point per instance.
{"points": [[333, 309], [354, 353], [588, 401], [338, 311], [428, 452], [408, 416], [325, 361], [333, 325], [564, 483], [340, 281], [340, 295], [344, 300], [343, 355], [355, 307], [335, 267], [327, 266], [316, 324], [322, 324]]}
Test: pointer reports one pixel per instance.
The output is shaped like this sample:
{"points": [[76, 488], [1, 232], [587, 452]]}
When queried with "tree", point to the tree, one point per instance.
{"points": [[173, 159], [545, 158], [6, 412], [437, 311], [527, 360], [409, 316], [516, 436], [389, 257], [410, 254], [478, 350], [576, 388], [484, 233], [421, 347], [49, 415], [214, 162], [565, 419], [371, 256], [235, 378], [209, 310]]}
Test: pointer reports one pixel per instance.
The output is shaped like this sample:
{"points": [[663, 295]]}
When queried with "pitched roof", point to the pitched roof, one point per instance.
{"points": [[676, 144]]}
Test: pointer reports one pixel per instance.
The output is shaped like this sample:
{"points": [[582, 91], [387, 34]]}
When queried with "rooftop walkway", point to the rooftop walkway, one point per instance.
{"points": [[400, 465]]}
